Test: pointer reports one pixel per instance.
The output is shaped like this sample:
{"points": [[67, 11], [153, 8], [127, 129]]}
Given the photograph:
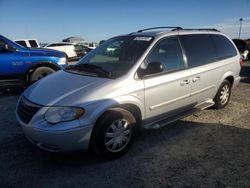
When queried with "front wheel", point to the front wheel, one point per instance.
{"points": [[223, 95], [113, 133], [40, 73]]}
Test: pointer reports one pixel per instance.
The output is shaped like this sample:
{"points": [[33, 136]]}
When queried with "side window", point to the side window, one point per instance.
{"points": [[52, 45], [33, 43], [223, 47], [168, 53], [21, 42], [199, 49], [62, 44]]}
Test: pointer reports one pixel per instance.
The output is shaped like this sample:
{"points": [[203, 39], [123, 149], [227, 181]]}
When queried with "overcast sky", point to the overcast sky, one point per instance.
{"points": [[94, 20]]}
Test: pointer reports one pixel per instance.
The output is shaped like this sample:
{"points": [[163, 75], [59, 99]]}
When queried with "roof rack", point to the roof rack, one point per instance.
{"points": [[152, 28], [176, 29], [201, 29]]}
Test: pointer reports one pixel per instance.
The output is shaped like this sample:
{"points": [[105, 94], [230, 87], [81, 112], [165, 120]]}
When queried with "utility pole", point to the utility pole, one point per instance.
{"points": [[241, 19]]}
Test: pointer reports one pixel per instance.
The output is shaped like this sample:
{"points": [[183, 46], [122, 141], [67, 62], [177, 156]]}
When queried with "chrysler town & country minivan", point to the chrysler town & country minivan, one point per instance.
{"points": [[152, 78]]}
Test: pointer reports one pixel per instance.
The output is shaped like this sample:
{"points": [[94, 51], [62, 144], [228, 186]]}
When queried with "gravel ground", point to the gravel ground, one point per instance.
{"points": [[208, 149]]}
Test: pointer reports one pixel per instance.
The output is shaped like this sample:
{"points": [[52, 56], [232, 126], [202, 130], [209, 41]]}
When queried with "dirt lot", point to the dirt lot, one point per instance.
{"points": [[209, 149]]}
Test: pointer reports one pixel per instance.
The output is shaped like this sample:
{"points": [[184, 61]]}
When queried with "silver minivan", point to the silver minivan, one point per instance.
{"points": [[150, 79]]}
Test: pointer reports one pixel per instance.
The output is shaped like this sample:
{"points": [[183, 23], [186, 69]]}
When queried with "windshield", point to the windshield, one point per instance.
{"points": [[113, 58]]}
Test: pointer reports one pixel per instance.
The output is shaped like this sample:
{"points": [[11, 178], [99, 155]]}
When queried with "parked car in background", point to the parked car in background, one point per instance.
{"points": [[81, 50], [90, 45], [22, 66], [28, 43], [153, 79], [66, 47], [242, 47], [245, 55]]}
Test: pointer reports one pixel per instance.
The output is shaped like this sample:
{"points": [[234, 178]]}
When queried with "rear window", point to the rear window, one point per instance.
{"points": [[23, 43], [199, 49], [224, 47], [33, 43]]}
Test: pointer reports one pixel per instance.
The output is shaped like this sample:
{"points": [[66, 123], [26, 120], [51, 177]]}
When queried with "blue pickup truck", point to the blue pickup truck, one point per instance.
{"points": [[22, 66]]}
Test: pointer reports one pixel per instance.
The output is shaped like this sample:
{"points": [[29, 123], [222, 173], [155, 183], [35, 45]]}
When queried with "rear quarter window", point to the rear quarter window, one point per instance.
{"points": [[224, 47], [199, 49]]}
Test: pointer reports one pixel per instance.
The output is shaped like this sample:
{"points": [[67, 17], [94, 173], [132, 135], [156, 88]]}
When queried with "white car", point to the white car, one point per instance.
{"points": [[90, 45], [66, 47], [29, 43]]}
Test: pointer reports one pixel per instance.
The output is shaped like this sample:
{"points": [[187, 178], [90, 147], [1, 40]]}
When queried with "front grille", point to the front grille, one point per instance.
{"points": [[26, 110]]}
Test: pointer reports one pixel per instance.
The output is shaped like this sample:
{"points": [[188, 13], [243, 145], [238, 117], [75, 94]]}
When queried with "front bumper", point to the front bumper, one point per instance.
{"points": [[64, 136], [59, 141]]}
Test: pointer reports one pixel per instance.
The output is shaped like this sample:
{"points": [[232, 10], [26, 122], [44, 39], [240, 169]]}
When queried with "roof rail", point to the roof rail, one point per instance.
{"points": [[201, 29], [152, 28]]}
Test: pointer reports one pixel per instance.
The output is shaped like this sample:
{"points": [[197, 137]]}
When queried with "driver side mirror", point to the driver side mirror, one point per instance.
{"points": [[152, 68]]}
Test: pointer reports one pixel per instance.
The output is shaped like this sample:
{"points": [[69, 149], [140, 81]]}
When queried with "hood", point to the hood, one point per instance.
{"points": [[45, 52], [62, 88]]}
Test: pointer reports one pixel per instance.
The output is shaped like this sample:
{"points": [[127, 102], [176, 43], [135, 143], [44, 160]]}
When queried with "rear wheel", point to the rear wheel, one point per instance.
{"points": [[223, 95], [113, 134], [40, 73]]}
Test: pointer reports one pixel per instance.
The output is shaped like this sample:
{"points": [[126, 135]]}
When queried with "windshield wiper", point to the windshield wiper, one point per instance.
{"points": [[90, 68]]}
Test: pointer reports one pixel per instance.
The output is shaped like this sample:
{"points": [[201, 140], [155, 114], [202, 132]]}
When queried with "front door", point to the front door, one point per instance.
{"points": [[11, 62], [169, 90]]}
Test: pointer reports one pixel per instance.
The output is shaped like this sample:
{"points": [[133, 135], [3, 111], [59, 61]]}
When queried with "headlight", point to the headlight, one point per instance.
{"points": [[62, 61], [61, 114]]}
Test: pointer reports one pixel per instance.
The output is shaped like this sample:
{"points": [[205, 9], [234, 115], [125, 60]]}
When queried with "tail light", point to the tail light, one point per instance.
{"points": [[241, 61]]}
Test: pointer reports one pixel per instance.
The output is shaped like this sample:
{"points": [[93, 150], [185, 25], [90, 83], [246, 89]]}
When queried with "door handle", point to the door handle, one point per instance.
{"points": [[184, 82], [197, 78]]}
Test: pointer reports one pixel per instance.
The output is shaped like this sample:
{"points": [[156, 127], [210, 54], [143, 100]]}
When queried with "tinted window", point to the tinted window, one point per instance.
{"points": [[64, 44], [168, 53], [224, 47], [52, 45], [2, 43], [60, 44], [33, 43], [199, 49], [23, 43]]}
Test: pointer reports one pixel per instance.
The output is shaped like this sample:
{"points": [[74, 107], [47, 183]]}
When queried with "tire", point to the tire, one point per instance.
{"points": [[40, 73], [113, 134], [223, 95]]}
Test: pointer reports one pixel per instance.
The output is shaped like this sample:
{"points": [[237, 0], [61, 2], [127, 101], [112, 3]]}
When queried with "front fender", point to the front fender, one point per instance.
{"points": [[95, 109]]}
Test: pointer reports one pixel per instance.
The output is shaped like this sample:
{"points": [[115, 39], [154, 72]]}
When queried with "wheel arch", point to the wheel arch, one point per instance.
{"points": [[228, 76], [32, 68], [134, 109], [131, 107]]}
